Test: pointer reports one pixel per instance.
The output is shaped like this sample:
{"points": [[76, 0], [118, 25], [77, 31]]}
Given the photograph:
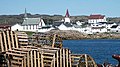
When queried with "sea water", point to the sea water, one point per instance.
{"points": [[101, 50]]}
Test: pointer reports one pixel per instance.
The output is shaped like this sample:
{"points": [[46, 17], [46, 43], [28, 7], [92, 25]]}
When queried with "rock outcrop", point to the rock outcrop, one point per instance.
{"points": [[71, 34]]}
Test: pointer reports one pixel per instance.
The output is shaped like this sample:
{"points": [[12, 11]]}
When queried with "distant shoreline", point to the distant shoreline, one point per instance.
{"points": [[75, 35]]}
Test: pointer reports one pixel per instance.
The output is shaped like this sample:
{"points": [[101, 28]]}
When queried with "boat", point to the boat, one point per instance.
{"points": [[117, 57]]}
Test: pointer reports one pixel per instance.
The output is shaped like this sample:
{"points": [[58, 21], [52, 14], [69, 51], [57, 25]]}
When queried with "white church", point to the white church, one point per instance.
{"points": [[29, 24]]}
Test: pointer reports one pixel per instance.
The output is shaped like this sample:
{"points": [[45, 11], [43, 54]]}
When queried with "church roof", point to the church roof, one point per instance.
{"points": [[68, 24], [67, 14], [57, 24], [31, 21]]}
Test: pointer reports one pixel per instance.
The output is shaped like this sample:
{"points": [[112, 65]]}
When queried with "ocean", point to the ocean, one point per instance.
{"points": [[101, 50]]}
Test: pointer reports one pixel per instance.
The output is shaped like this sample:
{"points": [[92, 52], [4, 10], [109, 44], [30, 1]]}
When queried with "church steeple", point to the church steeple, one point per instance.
{"points": [[67, 14], [67, 17], [25, 15]]}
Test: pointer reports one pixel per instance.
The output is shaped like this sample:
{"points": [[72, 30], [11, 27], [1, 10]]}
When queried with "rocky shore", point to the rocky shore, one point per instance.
{"points": [[77, 35]]}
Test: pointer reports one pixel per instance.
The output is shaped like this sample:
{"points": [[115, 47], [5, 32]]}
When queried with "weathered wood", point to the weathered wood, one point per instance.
{"points": [[53, 42], [1, 42], [40, 56], [57, 58], [42, 65], [35, 58], [61, 58], [8, 39], [5, 43], [31, 58], [28, 64], [67, 57], [12, 39], [38, 59], [16, 39], [86, 59]]}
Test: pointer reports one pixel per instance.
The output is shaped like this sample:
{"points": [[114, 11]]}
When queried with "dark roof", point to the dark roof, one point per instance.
{"points": [[114, 26], [5, 26], [68, 24], [98, 27], [103, 22], [96, 16], [57, 24], [31, 21]]}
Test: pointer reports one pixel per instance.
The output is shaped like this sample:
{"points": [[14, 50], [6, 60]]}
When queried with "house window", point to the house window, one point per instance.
{"points": [[26, 26], [36, 26], [33, 27], [23, 27], [30, 27]]}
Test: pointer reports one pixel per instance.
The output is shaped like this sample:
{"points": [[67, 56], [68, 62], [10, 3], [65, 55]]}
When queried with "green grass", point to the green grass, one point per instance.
{"points": [[29, 33]]}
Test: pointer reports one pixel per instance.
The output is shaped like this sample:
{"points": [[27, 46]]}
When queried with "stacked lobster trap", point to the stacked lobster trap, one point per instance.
{"points": [[39, 50]]}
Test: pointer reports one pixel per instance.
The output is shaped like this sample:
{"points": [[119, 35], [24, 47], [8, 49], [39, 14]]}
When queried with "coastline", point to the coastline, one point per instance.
{"points": [[75, 35]]}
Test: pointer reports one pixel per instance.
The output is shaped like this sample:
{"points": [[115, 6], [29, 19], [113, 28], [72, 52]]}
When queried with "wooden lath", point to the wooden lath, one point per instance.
{"points": [[51, 57], [21, 52], [8, 40], [82, 60], [39, 39], [22, 38]]}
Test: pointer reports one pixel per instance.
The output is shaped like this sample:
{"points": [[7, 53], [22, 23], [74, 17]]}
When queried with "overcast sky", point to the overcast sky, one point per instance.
{"points": [[110, 8]]}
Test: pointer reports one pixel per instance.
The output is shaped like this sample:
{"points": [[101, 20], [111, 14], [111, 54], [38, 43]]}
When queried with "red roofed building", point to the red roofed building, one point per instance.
{"points": [[5, 27], [96, 18]]}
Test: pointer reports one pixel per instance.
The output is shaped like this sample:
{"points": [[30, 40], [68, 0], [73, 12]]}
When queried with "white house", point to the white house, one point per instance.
{"points": [[32, 24], [115, 28], [98, 29], [16, 27], [96, 18]]}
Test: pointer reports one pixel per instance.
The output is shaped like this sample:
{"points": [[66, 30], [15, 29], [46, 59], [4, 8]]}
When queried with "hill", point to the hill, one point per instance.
{"points": [[12, 19]]}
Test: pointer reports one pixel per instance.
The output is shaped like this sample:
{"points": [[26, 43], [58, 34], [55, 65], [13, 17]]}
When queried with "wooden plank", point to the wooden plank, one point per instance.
{"points": [[34, 58], [54, 60], [17, 58], [8, 39], [5, 43], [53, 42], [57, 58], [38, 59], [23, 43], [86, 60], [31, 58], [22, 36], [16, 39], [70, 59], [14, 54], [48, 57], [67, 58], [25, 61], [42, 65], [1, 42], [16, 63], [12, 39], [63, 57], [22, 49], [22, 63], [15, 51], [28, 64]]}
